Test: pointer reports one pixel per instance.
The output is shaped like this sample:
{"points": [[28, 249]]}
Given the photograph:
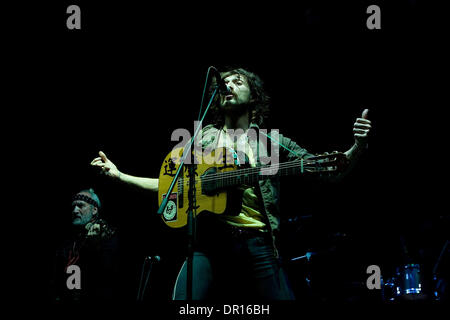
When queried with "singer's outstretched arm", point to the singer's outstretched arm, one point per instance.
{"points": [[110, 169]]}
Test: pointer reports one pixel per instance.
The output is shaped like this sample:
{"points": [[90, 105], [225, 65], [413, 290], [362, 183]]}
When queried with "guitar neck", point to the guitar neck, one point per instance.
{"points": [[252, 175], [326, 163]]}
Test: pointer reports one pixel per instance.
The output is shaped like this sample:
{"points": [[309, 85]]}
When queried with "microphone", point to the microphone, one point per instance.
{"points": [[223, 88]]}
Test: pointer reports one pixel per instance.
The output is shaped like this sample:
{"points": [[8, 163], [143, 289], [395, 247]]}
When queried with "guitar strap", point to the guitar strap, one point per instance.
{"points": [[279, 143], [293, 152]]}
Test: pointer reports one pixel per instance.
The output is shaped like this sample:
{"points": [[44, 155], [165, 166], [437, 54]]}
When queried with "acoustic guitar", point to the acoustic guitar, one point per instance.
{"points": [[217, 173]]}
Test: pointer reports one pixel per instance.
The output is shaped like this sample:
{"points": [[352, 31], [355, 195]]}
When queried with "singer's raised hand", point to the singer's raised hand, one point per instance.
{"points": [[361, 129], [107, 166]]}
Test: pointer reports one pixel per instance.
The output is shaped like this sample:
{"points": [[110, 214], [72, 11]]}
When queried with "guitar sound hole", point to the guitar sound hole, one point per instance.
{"points": [[209, 184]]}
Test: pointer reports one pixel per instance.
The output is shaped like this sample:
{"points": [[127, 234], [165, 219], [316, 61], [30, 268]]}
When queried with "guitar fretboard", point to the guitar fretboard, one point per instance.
{"points": [[252, 175]]}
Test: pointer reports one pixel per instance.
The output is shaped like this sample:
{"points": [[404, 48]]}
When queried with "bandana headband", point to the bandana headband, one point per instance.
{"points": [[84, 198]]}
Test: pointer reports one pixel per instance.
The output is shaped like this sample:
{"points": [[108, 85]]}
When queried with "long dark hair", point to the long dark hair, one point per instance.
{"points": [[259, 100]]}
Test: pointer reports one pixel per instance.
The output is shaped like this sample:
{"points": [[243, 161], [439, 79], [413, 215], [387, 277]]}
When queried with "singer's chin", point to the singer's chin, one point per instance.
{"points": [[231, 107]]}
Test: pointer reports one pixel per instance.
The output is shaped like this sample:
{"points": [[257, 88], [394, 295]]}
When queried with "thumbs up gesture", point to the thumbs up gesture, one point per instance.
{"points": [[107, 166], [361, 129]]}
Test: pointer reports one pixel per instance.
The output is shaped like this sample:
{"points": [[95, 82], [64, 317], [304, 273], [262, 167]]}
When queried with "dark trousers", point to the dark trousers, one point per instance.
{"points": [[243, 268]]}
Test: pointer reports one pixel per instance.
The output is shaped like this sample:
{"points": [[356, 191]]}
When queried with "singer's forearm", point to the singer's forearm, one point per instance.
{"points": [[140, 182], [352, 154]]}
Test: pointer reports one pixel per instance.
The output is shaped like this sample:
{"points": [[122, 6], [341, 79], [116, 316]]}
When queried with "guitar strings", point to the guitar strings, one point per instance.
{"points": [[305, 163], [266, 169], [180, 182], [240, 172], [243, 172]]}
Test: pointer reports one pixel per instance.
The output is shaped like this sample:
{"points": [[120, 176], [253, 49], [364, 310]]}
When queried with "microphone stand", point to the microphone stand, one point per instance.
{"points": [[435, 279], [141, 291], [191, 196]]}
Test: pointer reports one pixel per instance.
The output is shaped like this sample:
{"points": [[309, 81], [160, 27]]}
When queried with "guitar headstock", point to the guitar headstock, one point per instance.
{"points": [[326, 162]]}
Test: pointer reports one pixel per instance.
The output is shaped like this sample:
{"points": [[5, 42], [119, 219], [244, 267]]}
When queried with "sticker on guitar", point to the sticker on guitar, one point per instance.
{"points": [[170, 212], [169, 167]]}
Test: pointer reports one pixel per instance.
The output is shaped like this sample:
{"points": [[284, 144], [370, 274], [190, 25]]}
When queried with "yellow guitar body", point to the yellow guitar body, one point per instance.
{"points": [[216, 172], [176, 212]]}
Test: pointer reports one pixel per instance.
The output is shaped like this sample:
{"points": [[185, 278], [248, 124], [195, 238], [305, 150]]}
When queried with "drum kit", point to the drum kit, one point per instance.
{"points": [[407, 284], [410, 284], [407, 281]]}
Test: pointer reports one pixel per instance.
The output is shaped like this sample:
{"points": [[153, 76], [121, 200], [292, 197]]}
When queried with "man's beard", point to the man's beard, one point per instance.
{"points": [[236, 109]]}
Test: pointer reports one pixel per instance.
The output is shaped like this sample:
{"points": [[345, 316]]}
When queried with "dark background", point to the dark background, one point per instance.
{"points": [[135, 72]]}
